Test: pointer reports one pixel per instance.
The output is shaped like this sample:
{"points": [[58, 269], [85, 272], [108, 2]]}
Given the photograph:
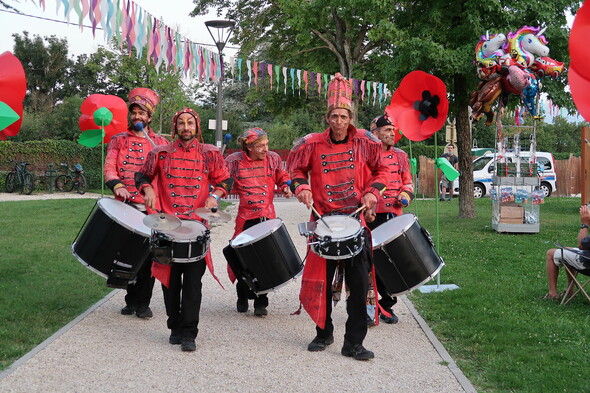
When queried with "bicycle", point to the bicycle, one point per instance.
{"points": [[20, 178], [74, 178]]}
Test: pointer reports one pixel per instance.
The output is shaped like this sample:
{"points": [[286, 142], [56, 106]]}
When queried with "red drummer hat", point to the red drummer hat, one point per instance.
{"points": [[146, 99]]}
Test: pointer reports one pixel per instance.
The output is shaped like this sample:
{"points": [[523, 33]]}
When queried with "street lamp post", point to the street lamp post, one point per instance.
{"points": [[220, 31]]}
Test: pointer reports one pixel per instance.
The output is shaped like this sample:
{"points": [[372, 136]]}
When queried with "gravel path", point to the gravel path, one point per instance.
{"points": [[103, 350]]}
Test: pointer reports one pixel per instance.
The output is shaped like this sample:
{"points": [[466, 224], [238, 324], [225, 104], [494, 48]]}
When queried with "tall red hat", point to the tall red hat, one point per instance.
{"points": [[339, 93], [147, 99]]}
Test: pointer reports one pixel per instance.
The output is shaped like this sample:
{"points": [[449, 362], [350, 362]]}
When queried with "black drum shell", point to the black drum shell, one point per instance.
{"points": [[407, 261], [270, 261], [103, 241]]}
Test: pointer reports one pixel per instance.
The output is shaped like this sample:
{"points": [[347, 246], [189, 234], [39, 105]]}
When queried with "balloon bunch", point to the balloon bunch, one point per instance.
{"points": [[579, 73], [13, 86], [512, 64]]}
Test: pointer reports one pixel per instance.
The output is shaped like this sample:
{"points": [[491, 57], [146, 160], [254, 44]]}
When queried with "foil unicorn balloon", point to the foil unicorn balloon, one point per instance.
{"points": [[488, 55]]}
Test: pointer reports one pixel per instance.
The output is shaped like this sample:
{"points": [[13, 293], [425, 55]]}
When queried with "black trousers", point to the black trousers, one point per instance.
{"points": [[139, 294], [356, 270], [242, 289], [386, 300], [183, 298]]}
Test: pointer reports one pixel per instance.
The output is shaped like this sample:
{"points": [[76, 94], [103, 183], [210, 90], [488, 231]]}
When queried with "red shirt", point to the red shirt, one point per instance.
{"points": [[340, 173], [398, 180], [254, 182], [183, 176], [126, 155]]}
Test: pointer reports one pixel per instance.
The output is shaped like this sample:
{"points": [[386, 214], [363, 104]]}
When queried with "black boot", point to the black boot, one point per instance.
{"points": [[356, 351]]}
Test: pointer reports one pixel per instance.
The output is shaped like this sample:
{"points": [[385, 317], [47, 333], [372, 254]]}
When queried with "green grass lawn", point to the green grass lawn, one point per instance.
{"points": [[502, 334], [42, 287]]}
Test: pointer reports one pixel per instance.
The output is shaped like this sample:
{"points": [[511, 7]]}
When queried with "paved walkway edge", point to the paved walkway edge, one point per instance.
{"points": [[461, 378], [55, 335]]}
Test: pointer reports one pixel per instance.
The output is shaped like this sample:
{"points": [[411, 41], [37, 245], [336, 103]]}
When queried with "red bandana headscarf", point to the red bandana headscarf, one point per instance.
{"points": [[194, 114]]}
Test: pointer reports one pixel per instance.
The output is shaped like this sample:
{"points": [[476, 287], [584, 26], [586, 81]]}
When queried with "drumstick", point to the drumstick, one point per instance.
{"points": [[320, 217], [363, 206]]}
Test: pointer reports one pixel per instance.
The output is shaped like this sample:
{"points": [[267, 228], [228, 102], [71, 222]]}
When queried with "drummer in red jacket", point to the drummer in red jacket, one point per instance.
{"points": [[256, 171], [398, 194], [125, 156], [345, 170], [182, 173]]}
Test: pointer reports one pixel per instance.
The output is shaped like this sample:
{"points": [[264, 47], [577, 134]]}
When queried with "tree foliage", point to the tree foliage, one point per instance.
{"points": [[45, 61]]}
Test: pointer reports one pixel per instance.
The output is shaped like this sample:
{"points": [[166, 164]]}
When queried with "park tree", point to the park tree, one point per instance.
{"points": [[386, 40], [439, 36], [46, 64]]}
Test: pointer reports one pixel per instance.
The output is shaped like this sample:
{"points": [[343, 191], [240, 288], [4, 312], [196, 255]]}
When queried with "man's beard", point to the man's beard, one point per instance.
{"points": [[186, 137], [134, 126]]}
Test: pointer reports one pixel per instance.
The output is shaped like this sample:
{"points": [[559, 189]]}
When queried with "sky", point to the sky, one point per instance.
{"points": [[177, 17]]}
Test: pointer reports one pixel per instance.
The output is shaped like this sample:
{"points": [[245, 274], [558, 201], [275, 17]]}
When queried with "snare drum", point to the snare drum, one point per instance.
{"points": [[342, 240], [404, 255], [264, 256], [113, 242], [187, 243]]}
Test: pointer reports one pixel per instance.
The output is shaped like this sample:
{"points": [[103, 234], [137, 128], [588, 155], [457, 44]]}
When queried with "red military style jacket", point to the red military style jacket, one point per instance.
{"points": [[183, 178], [341, 173], [398, 180], [254, 182], [126, 155]]}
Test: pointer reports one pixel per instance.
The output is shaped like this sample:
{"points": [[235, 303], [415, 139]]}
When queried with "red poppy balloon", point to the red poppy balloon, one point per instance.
{"points": [[580, 89], [419, 106], [13, 86], [578, 42], [579, 71], [116, 105]]}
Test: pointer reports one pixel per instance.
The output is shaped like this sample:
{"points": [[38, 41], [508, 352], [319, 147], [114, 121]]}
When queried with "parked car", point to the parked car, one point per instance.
{"points": [[484, 167]]}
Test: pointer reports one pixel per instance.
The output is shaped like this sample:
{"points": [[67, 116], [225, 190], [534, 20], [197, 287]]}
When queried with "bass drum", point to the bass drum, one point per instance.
{"points": [[404, 255], [113, 242], [264, 256]]}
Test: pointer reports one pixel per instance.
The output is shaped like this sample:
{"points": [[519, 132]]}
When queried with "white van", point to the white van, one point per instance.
{"points": [[484, 166]]}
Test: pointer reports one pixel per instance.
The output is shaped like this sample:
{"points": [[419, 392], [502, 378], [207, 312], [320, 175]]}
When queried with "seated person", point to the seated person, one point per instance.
{"points": [[579, 260]]}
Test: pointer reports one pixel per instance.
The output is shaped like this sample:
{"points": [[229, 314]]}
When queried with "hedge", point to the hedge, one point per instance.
{"points": [[39, 154]]}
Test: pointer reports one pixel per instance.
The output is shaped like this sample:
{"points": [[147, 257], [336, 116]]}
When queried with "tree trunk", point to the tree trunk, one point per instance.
{"points": [[464, 140]]}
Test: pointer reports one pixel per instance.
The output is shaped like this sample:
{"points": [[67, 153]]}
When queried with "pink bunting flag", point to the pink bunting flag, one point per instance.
{"points": [[318, 79], [363, 90], [201, 65], [95, 15], [255, 70], [85, 10], [305, 80], [131, 36], [269, 69], [124, 24]]}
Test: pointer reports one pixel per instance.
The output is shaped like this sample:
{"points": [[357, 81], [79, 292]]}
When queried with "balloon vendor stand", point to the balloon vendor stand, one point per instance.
{"points": [[515, 193]]}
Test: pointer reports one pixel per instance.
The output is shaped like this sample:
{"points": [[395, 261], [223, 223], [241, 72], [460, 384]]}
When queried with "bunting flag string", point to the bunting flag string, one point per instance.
{"points": [[133, 27]]}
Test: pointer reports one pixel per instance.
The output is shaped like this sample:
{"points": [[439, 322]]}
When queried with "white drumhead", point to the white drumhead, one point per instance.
{"points": [[340, 227], [256, 232], [125, 215], [188, 230], [391, 229]]}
